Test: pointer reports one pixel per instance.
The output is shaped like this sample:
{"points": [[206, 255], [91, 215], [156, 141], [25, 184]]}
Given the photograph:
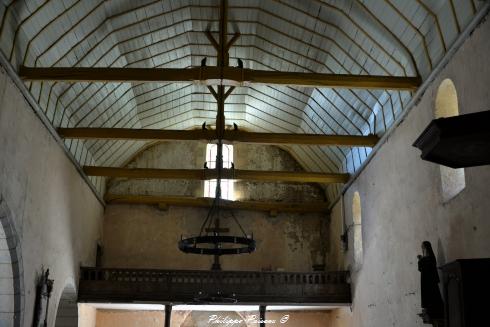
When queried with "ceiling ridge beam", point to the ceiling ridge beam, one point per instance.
{"points": [[232, 76], [210, 135], [183, 201], [209, 174]]}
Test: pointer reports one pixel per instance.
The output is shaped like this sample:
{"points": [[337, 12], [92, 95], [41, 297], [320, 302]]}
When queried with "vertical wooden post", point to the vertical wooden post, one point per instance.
{"points": [[168, 314], [220, 117], [262, 315]]}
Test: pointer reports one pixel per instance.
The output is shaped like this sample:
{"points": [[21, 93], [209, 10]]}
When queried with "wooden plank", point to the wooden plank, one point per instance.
{"points": [[325, 288], [192, 174], [226, 204], [217, 76], [329, 80], [210, 135], [208, 174], [304, 139], [100, 74], [286, 176], [136, 134]]}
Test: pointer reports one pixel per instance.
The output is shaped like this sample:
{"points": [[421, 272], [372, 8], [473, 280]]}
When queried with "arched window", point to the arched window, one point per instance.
{"points": [[357, 226], [227, 186], [446, 105]]}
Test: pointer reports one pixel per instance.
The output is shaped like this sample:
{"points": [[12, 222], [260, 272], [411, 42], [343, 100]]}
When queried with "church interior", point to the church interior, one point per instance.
{"points": [[185, 163]]}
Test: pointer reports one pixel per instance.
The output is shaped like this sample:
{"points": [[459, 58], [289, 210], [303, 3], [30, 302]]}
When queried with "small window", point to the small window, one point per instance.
{"points": [[357, 225], [452, 180], [227, 186]]}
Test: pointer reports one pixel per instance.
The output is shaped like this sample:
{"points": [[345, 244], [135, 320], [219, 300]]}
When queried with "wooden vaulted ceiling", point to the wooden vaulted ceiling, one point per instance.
{"points": [[383, 37]]}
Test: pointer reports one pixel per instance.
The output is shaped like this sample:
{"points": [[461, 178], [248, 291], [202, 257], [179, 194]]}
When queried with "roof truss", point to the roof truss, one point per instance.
{"points": [[210, 136], [210, 174], [271, 207], [231, 76]]}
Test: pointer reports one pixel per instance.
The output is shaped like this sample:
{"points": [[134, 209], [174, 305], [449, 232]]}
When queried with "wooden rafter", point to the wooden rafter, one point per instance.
{"points": [[209, 174], [304, 139], [136, 134], [268, 206], [210, 135], [232, 76]]}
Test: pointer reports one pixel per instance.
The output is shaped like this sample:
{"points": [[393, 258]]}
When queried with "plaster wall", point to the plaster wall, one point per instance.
{"points": [[192, 155], [145, 237], [129, 318], [299, 318], [138, 236], [402, 204], [56, 216], [87, 315]]}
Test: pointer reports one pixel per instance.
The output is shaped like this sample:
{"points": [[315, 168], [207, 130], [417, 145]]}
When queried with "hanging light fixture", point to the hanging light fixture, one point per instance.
{"points": [[210, 240]]}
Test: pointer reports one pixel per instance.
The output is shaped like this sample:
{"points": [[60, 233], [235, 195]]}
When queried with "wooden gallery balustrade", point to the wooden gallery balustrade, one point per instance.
{"points": [[220, 287]]}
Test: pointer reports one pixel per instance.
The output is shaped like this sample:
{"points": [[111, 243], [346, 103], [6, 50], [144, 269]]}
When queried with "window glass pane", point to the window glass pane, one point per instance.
{"points": [[227, 186]]}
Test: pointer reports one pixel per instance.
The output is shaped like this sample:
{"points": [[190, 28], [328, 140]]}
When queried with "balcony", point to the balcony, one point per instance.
{"points": [[220, 287]]}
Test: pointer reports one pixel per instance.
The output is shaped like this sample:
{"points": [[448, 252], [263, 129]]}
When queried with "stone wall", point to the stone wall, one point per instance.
{"points": [[56, 217], [145, 237], [402, 204], [138, 236], [192, 155]]}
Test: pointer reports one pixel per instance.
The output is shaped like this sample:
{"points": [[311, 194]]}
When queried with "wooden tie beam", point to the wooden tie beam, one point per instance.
{"points": [[303, 139], [210, 135], [137, 134], [231, 76], [210, 174], [181, 201]]}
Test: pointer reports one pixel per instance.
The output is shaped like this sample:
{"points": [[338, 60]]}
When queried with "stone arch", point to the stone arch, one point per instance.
{"points": [[357, 226], [446, 105], [11, 280], [67, 312]]}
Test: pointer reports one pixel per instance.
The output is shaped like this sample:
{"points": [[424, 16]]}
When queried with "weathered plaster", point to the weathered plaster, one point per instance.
{"points": [[146, 237], [130, 318], [56, 215], [192, 155], [403, 205]]}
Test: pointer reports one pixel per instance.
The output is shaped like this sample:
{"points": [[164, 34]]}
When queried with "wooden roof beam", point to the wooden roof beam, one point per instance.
{"points": [[268, 206], [210, 135], [137, 134], [232, 76], [208, 174], [303, 139]]}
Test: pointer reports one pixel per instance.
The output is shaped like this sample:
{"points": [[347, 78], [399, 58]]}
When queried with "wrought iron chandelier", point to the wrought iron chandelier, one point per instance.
{"points": [[210, 240]]}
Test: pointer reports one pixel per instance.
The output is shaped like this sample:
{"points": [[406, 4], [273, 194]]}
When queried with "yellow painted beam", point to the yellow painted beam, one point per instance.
{"points": [[286, 176], [192, 174], [208, 174], [303, 139], [210, 135], [136, 134], [181, 201], [233, 76]]}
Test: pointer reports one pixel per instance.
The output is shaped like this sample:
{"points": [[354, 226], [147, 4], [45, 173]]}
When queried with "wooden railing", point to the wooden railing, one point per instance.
{"points": [[199, 286]]}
